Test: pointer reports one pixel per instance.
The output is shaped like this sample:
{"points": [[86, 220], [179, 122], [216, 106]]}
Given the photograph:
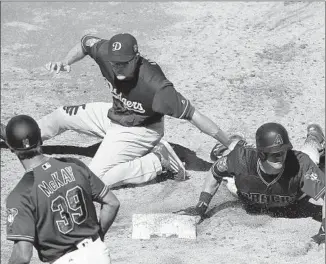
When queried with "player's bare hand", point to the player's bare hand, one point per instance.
{"points": [[57, 67]]}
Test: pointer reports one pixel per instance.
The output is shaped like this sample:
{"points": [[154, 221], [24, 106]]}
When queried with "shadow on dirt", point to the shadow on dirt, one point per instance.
{"points": [[189, 157], [159, 178], [219, 207], [302, 209]]}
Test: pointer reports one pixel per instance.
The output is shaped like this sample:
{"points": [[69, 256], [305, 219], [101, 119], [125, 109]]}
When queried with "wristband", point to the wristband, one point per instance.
{"points": [[204, 200], [205, 197]]}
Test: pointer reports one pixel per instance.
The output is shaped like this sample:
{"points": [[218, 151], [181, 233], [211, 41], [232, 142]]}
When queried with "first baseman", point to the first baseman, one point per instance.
{"points": [[132, 127], [51, 208]]}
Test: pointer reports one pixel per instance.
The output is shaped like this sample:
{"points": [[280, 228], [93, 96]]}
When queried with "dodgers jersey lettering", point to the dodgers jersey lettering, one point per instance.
{"points": [[143, 100], [300, 175], [52, 207]]}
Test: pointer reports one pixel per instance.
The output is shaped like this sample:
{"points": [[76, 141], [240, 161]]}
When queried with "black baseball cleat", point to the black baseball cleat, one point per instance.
{"points": [[219, 149], [3, 132], [315, 133], [170, 160]]}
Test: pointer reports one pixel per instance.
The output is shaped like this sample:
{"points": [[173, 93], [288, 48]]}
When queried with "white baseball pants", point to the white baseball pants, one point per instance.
{"points": [[94, 252], [124, 155]]}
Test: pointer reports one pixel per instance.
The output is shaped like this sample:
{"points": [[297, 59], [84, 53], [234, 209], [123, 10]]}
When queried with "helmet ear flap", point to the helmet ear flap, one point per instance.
{"points": [[262, 156]]}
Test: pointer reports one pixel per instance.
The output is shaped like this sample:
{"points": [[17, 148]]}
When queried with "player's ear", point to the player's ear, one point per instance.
{"points": [[39, 146], [137, 57], [11, 149], [40, 141]]}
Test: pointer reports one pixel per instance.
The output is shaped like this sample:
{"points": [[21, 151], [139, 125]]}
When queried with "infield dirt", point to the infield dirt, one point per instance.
{"points": [[241, 64]]}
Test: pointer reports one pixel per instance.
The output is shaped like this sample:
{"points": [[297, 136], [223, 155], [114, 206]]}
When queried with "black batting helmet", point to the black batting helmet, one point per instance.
{"points": [[272, 138], [23, 133]]}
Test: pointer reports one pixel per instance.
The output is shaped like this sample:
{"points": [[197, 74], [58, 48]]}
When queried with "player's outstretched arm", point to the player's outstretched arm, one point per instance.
{"points": [[21, 253], [109, 209], [74, 55], [207, 126], [210, 187]]}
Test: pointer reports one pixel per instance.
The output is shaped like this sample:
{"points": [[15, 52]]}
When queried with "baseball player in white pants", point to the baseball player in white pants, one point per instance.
{"points": [[132, 126], [124, 155]]}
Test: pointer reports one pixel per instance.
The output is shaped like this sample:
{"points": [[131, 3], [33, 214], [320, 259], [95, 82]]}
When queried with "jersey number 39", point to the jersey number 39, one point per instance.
{"points": [[72, 209]]}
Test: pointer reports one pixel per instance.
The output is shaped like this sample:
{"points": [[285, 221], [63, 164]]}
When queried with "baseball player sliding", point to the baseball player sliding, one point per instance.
{"points": [[51, 208], [132, 150], [271, 177]]}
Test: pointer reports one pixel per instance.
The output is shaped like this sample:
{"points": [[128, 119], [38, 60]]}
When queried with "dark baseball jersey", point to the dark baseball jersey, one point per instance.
{"points": [[143, 100], [300, 175], [52, 207]]}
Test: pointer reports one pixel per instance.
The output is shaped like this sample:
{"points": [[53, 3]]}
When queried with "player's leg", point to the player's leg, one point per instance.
{"points": [[314, 145], [124, 155], [122, 144], [146, 168], [90, 119]]}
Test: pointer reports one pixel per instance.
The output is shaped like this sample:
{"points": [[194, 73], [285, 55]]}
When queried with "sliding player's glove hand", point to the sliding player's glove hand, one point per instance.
{"points": [[198, 210], [192, 210]]}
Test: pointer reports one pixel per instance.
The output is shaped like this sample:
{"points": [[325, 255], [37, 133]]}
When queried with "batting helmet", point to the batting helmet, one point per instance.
{"points": [[23, 133], [272, 138]]}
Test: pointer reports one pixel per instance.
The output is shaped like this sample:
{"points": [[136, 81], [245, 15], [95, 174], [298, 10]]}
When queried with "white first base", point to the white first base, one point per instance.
{"points": [[146, 226]]}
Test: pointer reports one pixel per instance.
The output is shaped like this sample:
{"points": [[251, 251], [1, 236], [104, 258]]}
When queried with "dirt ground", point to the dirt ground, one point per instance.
{"points": [[240, 63]]}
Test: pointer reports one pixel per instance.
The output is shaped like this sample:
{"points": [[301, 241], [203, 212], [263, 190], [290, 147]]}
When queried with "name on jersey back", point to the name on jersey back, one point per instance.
{"points": [[59, 179]]}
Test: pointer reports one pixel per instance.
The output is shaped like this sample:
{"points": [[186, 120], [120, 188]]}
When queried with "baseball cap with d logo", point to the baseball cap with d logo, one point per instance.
{"points": [[122, 48]]}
